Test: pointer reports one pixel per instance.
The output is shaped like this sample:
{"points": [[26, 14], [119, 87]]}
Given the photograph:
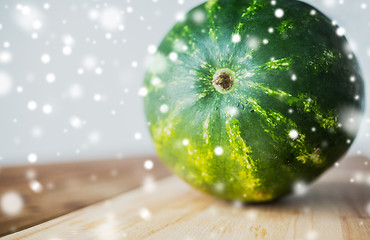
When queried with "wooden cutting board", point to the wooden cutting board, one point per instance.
{"points": [[335, 207], [65, 187]]}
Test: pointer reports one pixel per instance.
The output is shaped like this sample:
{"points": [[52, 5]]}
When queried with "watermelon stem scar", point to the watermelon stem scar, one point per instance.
{"points": [[223, 80]]}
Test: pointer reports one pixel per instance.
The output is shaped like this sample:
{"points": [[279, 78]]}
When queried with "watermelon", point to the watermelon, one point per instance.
{"points": [[245, 98]]}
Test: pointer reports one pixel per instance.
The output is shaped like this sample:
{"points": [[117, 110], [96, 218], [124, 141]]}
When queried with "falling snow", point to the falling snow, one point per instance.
{"points": [[109, 18], [35, 186], [32, 157], [97, 97], [173, 56], [94, 137], [148, 164], [67, 50], [293, 134], [37, 24], [32, 105], [5, 57], [198, 16], [45, 58], [312, 235], [149, 184], [138, 136], [219, 151], [143, 91], [47, 109], [279, 13], [180, 16], [236, 38], [6, 83], [75, 122], [294, 77], [253, 43], [98, 71], [152, 49], [11, 203], [300, 188], [89, 62], [134, 64], [341, 31], [329, 3], [145, 214], [50, 78], [156, 81], [164, 108]]}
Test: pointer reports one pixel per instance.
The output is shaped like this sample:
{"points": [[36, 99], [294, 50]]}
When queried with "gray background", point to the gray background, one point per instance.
{"points": [[94, 115]]}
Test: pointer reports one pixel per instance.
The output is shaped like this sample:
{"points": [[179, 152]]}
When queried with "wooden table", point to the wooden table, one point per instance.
{"points": [[71, 205]]}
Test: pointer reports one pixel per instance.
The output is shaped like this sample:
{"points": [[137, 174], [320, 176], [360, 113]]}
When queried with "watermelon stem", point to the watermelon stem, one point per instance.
{"points": [[223, 80]]}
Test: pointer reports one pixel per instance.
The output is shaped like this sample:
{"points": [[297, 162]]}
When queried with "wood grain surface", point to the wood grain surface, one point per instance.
{"points": [[335, 207], [69, 186]]}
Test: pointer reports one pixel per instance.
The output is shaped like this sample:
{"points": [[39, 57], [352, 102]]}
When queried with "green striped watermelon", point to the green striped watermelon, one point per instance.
{"points": [[244, 97]]}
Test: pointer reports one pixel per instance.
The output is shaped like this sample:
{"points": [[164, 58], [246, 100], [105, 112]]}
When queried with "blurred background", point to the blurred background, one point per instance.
{"points": [[71, 73]]}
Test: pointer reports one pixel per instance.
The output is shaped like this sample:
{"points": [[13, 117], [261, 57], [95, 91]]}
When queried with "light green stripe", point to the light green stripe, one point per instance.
{"points": [[211, 6], [248, 14], [278, 64]]}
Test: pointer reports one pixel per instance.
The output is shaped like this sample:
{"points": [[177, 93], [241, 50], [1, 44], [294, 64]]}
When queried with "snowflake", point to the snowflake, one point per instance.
{"points": [[94, 137], [75, 122], [143, 91], [293, 134], [145, 214], [89, 62], [164, 108], [35, 186], [32, 157], [152, 49], [32, 105], [137, 136], [45, 58], [37, 24], [98, 71], [148, 164], [312, 235], [67, 50], [6, 57], [6, 83], [110, 18], [279, 13], [75, 91], [300, 188], [341, 31], [173, 56], [236, 38], [50, 78], [219, 151], [47, 109], [198, 16], [11, 203], [156, 81]]}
